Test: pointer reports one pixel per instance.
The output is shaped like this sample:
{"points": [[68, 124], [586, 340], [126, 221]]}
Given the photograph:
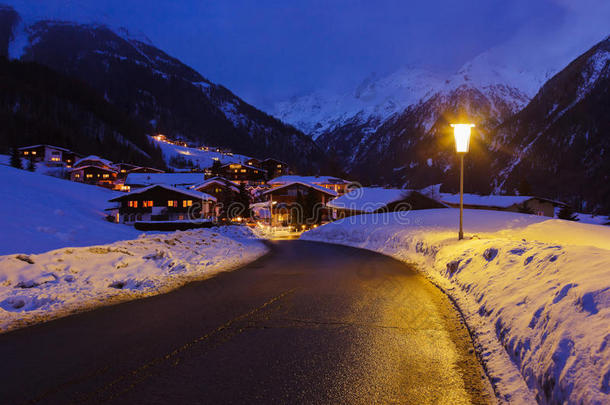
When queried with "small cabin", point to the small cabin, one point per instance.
{"points": [[242, 173], [50, 155], [95, 175], [274, 167], [513, 203], [286, 198], [368, 200], [163, 203], [217, 187]]}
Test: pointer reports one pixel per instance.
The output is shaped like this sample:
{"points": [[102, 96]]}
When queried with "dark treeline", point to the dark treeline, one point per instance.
{"points": [[40, 105]]}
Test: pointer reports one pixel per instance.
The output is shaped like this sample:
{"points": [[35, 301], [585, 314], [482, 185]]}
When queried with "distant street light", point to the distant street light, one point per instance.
{"points": [[461, 132]]}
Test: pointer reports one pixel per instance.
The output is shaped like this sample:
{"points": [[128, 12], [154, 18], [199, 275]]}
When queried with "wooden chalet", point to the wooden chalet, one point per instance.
{"points": [[217, 187], [336, 184], [285, 198], [95, 175], [163, 203], [50, 155], [513, 203], [242, 173], [274, 167], [368, 200]]}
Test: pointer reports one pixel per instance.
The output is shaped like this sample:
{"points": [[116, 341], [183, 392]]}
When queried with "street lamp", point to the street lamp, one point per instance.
{"points": [[461, 132]]}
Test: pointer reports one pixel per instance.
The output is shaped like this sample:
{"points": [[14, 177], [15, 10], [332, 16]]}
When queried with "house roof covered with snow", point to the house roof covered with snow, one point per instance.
{"points": [[45, 145], [308, 179], [93, 158], [216, 180], [368, 199], [191, 193], [499, 201], [308, 185], [169, 179]]}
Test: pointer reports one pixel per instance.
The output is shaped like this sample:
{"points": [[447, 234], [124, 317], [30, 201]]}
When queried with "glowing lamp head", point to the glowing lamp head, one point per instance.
{"points": [[461, 132]]}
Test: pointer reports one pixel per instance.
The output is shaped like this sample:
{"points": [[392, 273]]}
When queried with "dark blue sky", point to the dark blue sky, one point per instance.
{"points": [[268, 50]]}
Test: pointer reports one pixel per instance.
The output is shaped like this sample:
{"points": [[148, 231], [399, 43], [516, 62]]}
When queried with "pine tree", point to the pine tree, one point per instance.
{"points": [[566, 212], [16, 158], [31, 165], [244, 200]]}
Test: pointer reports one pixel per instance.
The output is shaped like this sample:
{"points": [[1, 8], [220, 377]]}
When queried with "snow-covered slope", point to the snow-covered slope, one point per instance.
{"points": [[43, 213], [535, 292], [196, 157]]}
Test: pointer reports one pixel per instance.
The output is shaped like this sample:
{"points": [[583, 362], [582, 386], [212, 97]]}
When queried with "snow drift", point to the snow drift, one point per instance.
{"points": [[36, 288], [535, 292]]}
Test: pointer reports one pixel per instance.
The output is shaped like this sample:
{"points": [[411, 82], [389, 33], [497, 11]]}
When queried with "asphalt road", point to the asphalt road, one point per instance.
{"points": [[308, 323]]}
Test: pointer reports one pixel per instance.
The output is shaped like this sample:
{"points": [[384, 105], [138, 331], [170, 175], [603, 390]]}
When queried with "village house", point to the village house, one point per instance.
{"points": [[217, 187], [93, 160], [254, 162], [94, 175], [367, 200], [163, 203], [183, 180], [124, 168], [242, 173], [274, 167], [513, 203], [336, 184], [49, 155], [283, 199]]}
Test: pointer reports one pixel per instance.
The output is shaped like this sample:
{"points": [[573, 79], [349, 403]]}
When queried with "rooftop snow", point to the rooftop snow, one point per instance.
{"points": [[502, 201], [368, 199], [169, 179], [308, 179], [310, 185], [190, 193]]}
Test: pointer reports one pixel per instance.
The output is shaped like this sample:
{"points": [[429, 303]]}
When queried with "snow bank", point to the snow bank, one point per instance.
{"points": [[535, 292], [41, 213], [35, 288]]}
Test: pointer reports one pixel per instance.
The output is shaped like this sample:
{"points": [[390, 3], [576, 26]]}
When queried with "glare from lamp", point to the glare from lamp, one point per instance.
{"points": [[461, 132]]}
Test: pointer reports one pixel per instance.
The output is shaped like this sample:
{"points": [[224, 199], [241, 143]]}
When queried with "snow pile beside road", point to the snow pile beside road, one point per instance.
{"points": [[535, 292], [40, 287]]}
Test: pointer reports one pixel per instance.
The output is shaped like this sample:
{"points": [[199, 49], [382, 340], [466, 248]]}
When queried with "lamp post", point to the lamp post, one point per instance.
{"points": [[461, 132]]}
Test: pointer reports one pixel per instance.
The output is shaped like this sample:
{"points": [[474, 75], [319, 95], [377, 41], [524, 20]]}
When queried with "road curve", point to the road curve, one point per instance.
{"points": [[308, 323]]}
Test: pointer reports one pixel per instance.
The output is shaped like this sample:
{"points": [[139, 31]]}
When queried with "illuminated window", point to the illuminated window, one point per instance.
{"points": [[172, 203], [89, 176], [26, 153], [243, 170], [235, 170], [33, 152], [132, 204], [147, 204], [187, 203], [106, 175], [217, 190], [279, 166], [256, 171], [77, 176]]}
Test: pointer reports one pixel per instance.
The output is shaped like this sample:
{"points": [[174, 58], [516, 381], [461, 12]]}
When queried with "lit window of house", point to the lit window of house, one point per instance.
{"points": [[77, 176], [106, 175], [132, 204], [89, 175], [279, 166], [243, 170], [187, 203], [217, 190], [33, 152], [147, 204], [172, 203], [256, 171], [26, 153]]}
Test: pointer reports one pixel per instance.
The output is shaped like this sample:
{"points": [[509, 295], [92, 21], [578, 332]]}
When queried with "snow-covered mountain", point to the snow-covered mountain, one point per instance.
{"points": [[157, 89], [374, 100], [560, 143]]}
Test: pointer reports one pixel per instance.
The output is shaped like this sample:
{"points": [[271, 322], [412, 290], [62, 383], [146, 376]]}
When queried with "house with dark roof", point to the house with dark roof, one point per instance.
{"points": [[50, 155], [242, 173], [514, 203], [163, 203], [287, 198]]}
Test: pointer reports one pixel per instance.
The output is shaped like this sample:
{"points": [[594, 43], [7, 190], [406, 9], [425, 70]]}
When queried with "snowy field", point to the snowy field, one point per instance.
{"points": [[42, 213], [40, 287], [534, 291]]}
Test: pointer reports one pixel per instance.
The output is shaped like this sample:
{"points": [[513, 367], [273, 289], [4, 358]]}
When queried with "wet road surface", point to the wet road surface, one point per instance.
{"points": [[308, 323]]}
